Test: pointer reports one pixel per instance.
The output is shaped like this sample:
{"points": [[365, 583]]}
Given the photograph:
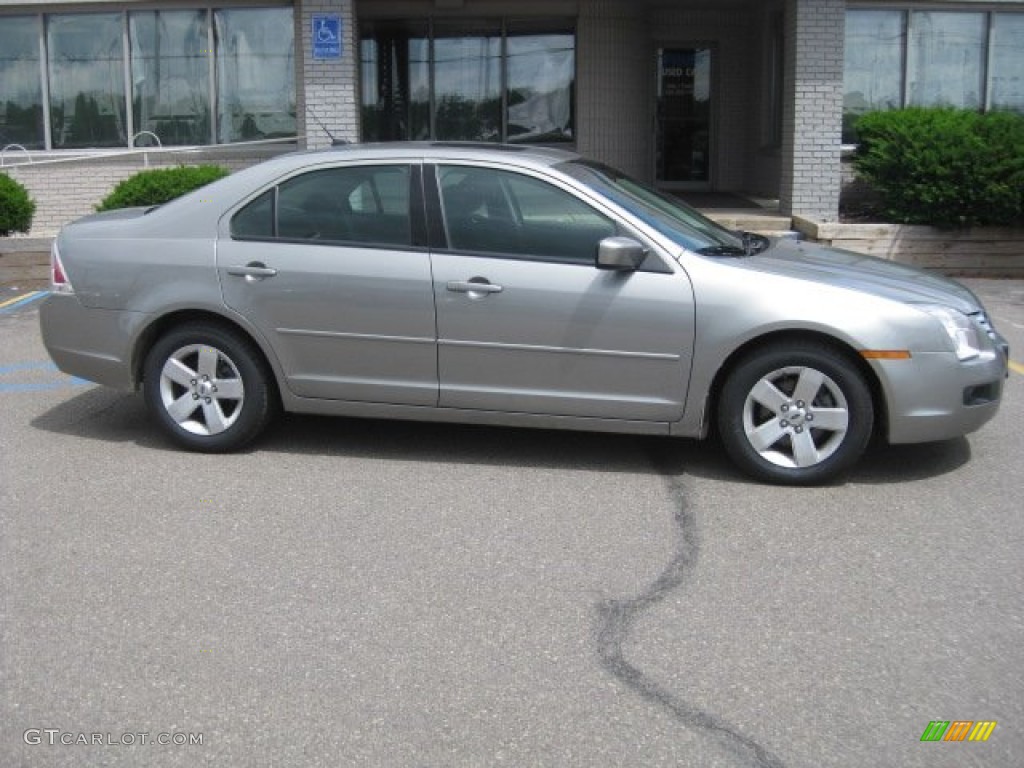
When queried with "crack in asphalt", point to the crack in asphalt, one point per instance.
{"points": [[617, 618]]}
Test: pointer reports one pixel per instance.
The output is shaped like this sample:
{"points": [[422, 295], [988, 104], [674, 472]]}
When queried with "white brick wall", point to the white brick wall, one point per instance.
{"points": [[614, 87], [812, 116], [65, 191], [327, 87]]}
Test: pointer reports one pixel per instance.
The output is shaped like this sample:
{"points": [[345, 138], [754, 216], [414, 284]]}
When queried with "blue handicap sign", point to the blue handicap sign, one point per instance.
{"points": [[326, 36]]}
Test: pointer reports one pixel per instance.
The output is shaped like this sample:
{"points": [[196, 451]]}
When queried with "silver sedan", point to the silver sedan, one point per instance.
{"points": [[510, 286]]}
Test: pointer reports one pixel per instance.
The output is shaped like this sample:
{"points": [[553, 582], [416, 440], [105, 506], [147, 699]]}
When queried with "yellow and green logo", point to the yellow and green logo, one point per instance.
{"points": [[958, 730]]}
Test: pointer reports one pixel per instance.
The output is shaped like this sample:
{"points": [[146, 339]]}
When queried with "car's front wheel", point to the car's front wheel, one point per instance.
{"points": [[207, 388], [797, 413]]}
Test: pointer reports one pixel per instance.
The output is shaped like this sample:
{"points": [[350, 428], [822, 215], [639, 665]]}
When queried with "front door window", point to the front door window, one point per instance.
{"points": [[684, 117]]}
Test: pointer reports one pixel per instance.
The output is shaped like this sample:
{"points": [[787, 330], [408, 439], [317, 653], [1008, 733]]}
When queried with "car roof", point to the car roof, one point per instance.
{"points": [[467, 150]]}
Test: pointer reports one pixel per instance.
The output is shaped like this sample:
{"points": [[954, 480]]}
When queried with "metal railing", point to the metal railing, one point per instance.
{"points": [[54, 157], [3, 153]]}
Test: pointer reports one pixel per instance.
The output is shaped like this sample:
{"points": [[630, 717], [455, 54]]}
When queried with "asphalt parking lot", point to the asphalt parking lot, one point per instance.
{"points": [[389, 594]]}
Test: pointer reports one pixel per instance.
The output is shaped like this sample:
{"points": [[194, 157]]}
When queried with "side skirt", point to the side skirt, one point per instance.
{"points": [[491, 418]]}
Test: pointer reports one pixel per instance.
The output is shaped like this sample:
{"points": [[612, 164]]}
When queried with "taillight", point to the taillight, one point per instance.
{"points": [[59, 282]]}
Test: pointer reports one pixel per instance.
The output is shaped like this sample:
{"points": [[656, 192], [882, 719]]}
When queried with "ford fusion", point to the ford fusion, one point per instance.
{"points": [[510, 286]]}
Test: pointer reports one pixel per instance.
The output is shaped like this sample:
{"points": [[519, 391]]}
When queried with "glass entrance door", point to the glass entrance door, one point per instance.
{"points": [[683, 146]]}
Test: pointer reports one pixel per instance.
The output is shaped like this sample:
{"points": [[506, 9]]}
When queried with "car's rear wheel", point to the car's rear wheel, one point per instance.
{"points": [[207, 388], [796, 413]]}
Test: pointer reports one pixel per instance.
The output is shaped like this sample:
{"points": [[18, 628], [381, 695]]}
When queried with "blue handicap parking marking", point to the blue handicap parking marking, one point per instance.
{"points": [[10, 305], [35, 376]]}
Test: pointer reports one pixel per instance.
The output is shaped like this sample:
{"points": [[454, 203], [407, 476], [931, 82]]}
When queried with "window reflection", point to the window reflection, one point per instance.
{"points": [[21, 108], [874, 65], [395, 81], [944, 63], [467, 83], [255, 74], [170, 75], [1006, 74], [470, 63], [541, 70], [86, 66]]}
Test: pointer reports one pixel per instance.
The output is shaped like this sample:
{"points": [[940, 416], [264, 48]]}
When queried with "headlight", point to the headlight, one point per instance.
{"points": [[960, 329]]}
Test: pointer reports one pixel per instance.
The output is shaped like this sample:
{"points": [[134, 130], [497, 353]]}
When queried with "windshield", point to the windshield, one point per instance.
{"points": [[668, 215]]}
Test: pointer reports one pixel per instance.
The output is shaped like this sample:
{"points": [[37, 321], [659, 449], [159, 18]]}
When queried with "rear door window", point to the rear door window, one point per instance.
{"points": [[363, 205]]}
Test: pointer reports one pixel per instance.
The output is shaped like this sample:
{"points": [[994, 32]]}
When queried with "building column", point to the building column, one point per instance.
{"points": [[614, 86], [326, 91], [813, 108]]}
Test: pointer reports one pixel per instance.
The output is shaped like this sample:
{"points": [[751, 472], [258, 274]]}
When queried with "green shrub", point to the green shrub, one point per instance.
{"points": [[16, 207], [160, 185], [944, 167]]}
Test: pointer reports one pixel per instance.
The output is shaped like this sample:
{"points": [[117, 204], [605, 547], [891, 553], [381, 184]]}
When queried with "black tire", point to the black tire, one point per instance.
{"points": [[776, 432], [192, 375]]}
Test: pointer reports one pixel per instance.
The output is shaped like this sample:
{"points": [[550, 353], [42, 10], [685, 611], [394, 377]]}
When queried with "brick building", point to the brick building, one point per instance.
{"points": [[752, 96]]}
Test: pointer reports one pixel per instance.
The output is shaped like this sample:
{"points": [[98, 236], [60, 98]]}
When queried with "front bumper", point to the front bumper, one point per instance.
{"points": [[935, 396]]}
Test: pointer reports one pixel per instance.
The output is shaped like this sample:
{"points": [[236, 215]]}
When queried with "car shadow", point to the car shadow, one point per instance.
{"points": [[110, 416], [499, 446], [102, 414], [883, 464]]}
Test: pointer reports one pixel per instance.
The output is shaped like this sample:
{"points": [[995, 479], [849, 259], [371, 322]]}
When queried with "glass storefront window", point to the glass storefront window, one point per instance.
{"points": [[86, 68], [21, 108], [966, 59], [167, 81], [945, 58], [395, 58], [170, 75], [255, 74], [467, 83], [874, 65], [1006, 69], [468, 80], [541, 73]]}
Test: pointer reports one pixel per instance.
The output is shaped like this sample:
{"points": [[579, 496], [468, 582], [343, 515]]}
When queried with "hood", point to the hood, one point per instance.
{"points": [[857, 272]]}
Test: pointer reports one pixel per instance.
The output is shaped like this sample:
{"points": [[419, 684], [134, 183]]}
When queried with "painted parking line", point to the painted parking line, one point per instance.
{"points": [[35, 376], [1017, 368], [20, 301]]}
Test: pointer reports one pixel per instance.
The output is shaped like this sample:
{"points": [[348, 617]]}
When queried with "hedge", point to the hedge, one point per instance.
{"points": [[160, 185], [944, 167], [16, 207]]}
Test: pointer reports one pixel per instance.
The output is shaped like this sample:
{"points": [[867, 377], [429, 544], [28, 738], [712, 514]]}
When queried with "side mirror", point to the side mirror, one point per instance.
{"points": [[622, 254]]}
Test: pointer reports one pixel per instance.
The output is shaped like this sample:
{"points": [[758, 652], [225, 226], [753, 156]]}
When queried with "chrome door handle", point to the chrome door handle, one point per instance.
{"points": [[476, 285], [252, 271]]}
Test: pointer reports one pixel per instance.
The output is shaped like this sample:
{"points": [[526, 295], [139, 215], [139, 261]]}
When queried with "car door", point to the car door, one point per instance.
{"points": [[526, 321], [331, 266]]}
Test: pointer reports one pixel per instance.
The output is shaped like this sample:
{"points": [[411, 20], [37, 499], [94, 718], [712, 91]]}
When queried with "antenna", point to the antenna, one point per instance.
{"points": [[334, 142]]}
